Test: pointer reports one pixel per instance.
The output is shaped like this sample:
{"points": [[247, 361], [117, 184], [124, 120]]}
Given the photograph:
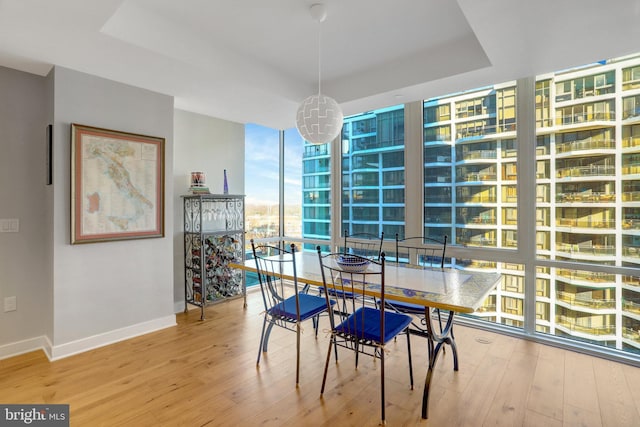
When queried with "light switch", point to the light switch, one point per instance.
{"points": [[10, 304], [9, 225]]}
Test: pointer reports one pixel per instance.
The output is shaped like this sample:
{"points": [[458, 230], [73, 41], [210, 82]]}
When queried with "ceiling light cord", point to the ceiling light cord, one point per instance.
{"points": [[319, 57], [319, 117]]}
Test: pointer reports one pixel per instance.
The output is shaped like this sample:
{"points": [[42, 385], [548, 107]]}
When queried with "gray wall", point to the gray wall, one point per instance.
{"points": [[101, 287], [23, 195], [75, 297]]}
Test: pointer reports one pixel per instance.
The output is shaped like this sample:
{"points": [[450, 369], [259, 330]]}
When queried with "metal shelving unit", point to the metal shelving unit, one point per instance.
{"points": [[213, 237]]}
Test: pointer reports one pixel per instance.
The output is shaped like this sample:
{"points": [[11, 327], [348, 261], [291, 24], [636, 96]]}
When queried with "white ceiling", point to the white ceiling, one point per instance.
{"points": [[254, 61]]}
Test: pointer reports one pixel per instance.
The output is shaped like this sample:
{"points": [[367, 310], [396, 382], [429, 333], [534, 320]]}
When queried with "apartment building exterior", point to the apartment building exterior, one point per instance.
{"points": [[587, 167]]}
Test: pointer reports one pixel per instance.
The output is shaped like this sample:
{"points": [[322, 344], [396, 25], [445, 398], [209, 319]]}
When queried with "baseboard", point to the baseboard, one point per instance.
{"points": [[25, 346], [100, 340]]}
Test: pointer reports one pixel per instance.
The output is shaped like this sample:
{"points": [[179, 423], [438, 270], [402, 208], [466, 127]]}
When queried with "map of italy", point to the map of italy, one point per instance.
{"points": [[111, 195]]}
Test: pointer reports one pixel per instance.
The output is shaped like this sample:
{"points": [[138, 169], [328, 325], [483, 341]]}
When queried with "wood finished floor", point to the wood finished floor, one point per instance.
{"points": [[204, 373]]}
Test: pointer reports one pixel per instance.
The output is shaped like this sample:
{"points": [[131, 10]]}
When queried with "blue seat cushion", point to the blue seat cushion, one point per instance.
{"points": [[364, 324], [310, 305]]}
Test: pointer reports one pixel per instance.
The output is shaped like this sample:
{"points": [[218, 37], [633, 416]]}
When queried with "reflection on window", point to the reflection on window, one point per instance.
{"points": [[588, 220], [631, 77], [373, 173], [543, 109]]}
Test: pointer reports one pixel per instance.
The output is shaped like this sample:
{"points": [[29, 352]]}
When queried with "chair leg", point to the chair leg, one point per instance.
{"points": [[382, 402], [267, 335], [326, 363], [316, 323], [264, 323], [410, 362], [297, 353]]}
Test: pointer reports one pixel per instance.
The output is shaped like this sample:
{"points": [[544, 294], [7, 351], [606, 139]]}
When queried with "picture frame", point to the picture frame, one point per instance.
{"points": [[49, 155], [117, 185]]}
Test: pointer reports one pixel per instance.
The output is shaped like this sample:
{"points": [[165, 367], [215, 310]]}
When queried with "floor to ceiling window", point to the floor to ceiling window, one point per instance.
{"points": [[588, 215], [316, 192], [292, 183], [470, 174], [470, 187], [373, 173], [262, 182], [570, 260]]}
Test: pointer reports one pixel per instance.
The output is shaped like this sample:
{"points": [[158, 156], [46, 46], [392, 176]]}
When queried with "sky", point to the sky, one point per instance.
{"points": [[261, 165]]}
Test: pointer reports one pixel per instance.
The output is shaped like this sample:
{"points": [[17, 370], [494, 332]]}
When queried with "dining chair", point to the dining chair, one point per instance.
{"points": [[425, 253], [360, 326], [363, 244], [285, 304], [366, 245]]}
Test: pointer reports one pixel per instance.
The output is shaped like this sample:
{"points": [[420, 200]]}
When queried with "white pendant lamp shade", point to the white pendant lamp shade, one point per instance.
{"points": [[319, 119]]}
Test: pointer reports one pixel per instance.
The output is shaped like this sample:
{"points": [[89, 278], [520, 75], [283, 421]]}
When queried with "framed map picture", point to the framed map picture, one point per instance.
{"points": [[117, 185]]}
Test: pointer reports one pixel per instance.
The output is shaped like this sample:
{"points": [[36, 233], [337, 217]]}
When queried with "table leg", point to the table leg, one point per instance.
{"points": [[435, 344]]}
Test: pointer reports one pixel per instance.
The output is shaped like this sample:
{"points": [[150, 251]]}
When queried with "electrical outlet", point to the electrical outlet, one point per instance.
{"points": [[10, 304], [9, 225]]}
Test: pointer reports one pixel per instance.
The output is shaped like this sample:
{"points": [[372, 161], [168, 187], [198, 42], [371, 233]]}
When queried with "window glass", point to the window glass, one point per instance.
{"points": [[294, 152], [373, 172], [261, 182], [470, 185], [316, 189], [586, 207]]}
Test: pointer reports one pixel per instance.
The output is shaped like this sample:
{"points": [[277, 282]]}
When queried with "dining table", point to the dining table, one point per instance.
{"points": [[457, 291]]}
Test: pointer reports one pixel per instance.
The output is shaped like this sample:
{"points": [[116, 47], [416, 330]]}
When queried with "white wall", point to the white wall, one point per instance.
{"points": [[104, 292], [23, 266], [207, 144]]}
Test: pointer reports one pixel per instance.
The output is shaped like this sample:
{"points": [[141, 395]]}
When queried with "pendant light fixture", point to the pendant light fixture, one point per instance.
{"points": [[319, 117]]}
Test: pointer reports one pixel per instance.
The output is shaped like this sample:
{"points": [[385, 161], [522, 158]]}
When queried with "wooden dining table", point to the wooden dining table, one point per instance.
{"points": [[457, 291]]}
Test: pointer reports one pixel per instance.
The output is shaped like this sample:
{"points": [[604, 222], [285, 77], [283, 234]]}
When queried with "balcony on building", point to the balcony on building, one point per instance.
{"points": [[586, 192], [484, 151], [437, 215], [631, 137], [437, 154], [476, 173], [437, 175], [476, 237], [586, 247], [476, 194], [476, 216], [590, 219], [596, 167], [631, 247], [581, 143], [597, 328], [437, 195]]}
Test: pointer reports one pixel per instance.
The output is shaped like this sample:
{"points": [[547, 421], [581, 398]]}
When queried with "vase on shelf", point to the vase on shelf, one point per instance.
{"points": [[225, 189]]}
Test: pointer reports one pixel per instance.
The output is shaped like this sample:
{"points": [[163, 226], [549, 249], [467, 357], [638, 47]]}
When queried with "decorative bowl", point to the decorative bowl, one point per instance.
{"points": [[352, 264]]}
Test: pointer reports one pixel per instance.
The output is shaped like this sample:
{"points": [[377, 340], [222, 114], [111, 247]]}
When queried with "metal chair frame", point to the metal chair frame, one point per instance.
{"points": [[349, 325], [281, 308], [364, 244], [425, 253]]}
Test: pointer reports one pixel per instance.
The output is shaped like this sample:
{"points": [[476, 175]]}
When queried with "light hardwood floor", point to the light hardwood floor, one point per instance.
{"points": [[204, 373]]}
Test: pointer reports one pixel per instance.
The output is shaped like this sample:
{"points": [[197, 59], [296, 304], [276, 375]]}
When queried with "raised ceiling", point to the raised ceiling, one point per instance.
{"points": [[253, 61]]}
